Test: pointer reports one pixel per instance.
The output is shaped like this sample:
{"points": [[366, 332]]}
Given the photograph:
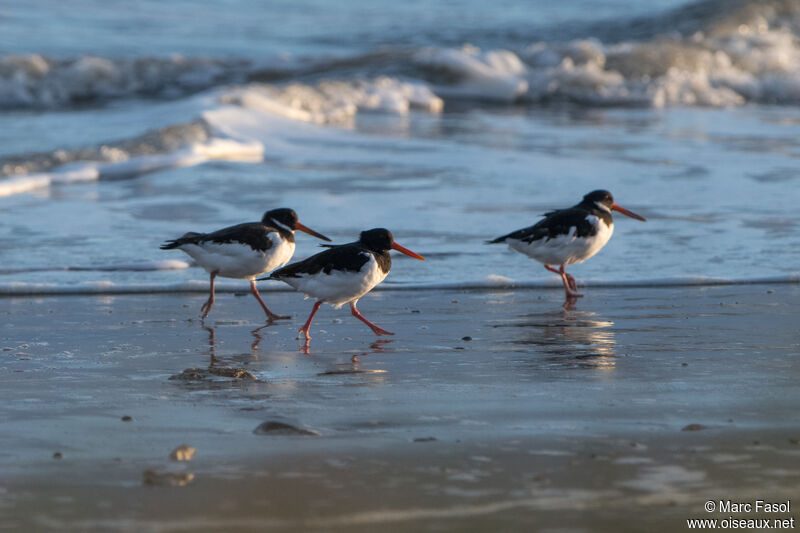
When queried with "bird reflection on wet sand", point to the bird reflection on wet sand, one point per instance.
{"points": [[567, 338], [378, 346], [374, 347], [352, 367], [257, 337], [215, 368]]}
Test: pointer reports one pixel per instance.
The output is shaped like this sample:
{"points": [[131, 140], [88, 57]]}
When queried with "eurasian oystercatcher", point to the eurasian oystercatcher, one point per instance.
{"points": [[344, 273], [244, 251], [568, 236]]}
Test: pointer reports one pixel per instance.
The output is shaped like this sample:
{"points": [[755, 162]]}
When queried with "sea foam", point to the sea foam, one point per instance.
{"points": [[337, 102], [747, 53], [37, 81], [706, 53], [171, 147]]}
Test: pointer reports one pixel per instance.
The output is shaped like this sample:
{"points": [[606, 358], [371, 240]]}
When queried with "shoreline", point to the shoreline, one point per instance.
{"points": [[100, 288]]}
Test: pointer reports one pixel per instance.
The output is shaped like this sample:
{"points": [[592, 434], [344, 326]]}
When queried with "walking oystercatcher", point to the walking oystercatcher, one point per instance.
{"points": [[568, 236], [244, 251], [344, 273]]}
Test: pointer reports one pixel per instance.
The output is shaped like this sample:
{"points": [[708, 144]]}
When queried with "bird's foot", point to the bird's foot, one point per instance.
{"points": [[380, 331], [306, 347], [573, 285], [272, 316]]}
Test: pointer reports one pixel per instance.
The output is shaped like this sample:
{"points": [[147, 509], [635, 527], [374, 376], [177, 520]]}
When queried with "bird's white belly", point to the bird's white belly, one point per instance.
{"points": [[565, 249], [235, 260], [340, 286]]}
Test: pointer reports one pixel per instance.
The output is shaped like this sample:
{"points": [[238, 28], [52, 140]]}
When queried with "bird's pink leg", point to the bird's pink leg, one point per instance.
{"points": [[375, 329], [206, 307], [270, 315], [570, 285], [304, 329]]}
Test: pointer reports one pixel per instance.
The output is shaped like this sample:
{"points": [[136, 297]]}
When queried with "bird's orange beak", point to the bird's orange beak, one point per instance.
{"points": [[406, 251], [310, 231], [615, 207]]}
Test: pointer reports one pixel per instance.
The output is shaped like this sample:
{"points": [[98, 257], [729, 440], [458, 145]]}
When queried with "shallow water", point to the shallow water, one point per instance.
{"points": [[688, 114]]}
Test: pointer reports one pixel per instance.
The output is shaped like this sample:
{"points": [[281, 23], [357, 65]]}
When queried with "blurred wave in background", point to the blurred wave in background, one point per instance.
{"points": [[122, 126]]}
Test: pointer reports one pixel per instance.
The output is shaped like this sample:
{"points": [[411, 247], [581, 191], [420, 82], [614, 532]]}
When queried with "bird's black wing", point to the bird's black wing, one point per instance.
{"points": [[252, 234], [554, 224], [346, 257]]}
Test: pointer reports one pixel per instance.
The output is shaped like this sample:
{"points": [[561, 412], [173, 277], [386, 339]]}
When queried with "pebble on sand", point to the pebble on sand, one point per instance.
{"points": [[201, 374], [274, 427], [694, 427], [184, 452]]}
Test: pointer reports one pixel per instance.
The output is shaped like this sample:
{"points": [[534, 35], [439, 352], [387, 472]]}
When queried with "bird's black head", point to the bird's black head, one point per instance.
{"points": [[283, 218], [603, 201], [377, 240], [599, 199]]}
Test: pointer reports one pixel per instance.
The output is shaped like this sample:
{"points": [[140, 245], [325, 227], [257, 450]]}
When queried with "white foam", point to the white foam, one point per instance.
{"points": [[24, 183], [138, 266], [493, 75], [67, 174], [498, 280], [757, 61], [37, 81], [709, 53], [336, 102], [89, 171], [134, 266]]}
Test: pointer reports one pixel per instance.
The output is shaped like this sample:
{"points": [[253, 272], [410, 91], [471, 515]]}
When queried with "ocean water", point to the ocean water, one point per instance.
{"points": [[122, 126]]}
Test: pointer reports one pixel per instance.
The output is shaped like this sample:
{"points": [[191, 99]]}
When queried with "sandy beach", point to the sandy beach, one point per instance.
{"points": [[488, 410]]}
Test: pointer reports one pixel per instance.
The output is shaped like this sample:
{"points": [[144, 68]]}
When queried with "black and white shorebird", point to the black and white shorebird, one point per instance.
{"points": [[344, 273], [244, 251], [568, 236]]}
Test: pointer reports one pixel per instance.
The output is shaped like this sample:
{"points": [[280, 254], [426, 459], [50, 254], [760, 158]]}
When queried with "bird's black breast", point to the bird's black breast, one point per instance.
{"points": [[384, 261]]}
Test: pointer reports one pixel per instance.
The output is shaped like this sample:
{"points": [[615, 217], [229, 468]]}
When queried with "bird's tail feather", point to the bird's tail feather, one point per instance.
{"points": [[187, 238]]}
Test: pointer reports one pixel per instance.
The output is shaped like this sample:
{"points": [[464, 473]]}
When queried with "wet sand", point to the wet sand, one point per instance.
{"points": [[487, 411]]}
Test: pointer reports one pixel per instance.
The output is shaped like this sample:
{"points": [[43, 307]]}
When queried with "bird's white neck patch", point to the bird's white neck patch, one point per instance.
{"points": [[602, 207], [282, 226]]}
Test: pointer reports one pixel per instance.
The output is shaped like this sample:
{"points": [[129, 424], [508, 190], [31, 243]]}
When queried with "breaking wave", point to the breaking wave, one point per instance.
{"points": [[41, 82], [337, 102], [708, 53], [208, 137], [173, 146]]}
